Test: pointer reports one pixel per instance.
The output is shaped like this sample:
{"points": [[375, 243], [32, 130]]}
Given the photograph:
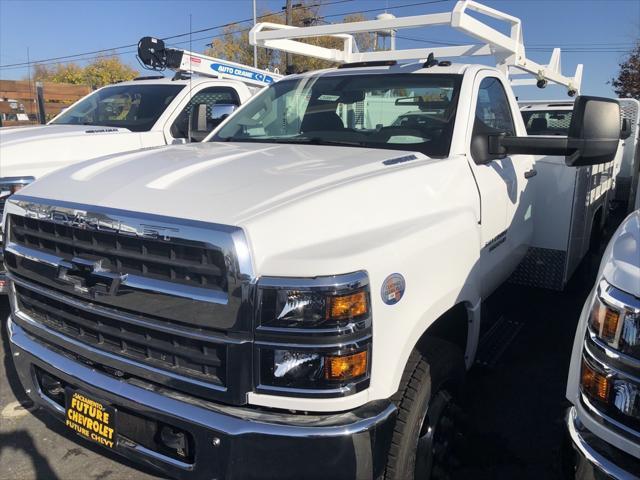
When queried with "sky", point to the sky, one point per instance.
{"points": [[596, 33]]}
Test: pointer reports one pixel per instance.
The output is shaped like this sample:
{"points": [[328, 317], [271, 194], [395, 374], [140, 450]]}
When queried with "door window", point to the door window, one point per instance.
{"points": [[493, 107], [208, 96]]}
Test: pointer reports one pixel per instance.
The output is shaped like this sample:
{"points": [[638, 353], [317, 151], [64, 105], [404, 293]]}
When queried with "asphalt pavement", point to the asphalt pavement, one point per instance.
{"points": [[515, 404]]}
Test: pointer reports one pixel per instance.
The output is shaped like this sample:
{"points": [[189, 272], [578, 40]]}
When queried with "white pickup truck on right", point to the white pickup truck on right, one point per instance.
{"points": [[604, 377]]}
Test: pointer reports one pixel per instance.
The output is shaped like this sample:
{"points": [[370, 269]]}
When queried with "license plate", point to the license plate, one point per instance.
{"points": [[90, 418]]}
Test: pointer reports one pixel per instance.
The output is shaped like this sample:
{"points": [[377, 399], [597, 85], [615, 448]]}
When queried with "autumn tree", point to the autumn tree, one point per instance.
{"points": [[234, 45], [102, 71], [627, 83]]}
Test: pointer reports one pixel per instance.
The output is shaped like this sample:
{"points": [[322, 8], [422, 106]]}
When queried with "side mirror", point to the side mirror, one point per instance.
{"points": [[199, 118], [220, 111], [625, 132], [594, 135]]}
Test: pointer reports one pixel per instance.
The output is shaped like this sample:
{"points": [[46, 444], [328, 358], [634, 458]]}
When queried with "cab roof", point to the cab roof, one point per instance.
{"points": [[413, 67]]}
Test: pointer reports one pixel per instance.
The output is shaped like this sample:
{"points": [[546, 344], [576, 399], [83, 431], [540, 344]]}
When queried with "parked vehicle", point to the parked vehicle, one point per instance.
{"points": [[301, 297], [571, 206], [603, 385], [131, 116]]}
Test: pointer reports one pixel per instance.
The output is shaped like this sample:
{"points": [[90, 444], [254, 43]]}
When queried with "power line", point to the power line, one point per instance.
{"points": [[619, 47], [171, 37]]}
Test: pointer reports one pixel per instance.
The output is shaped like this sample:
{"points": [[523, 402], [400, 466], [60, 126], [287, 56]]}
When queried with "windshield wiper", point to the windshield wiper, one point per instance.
{"points": [[297, 141]]}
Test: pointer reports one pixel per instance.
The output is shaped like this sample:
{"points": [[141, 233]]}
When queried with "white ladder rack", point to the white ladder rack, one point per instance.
{"points": [[509, 51]]}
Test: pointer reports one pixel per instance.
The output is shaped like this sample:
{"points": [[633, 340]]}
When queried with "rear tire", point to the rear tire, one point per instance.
{"points": [[425, 430]]}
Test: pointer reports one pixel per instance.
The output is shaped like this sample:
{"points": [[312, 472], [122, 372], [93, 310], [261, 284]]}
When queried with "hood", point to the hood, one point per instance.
{"points": [[220, 182], [305, 209], [621, 260], [37, 150]]}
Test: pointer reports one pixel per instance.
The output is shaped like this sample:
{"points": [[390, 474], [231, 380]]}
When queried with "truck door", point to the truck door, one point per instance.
{"points": [[520, 207], [500, 183]]}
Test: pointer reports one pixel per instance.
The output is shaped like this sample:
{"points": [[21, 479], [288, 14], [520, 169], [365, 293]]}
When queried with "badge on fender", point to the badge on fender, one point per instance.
{"points": [[392, 289]]}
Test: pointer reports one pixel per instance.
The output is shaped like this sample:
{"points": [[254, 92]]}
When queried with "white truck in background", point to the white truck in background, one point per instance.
{"points": [[604, 385], [131, 116], [300, 297]]}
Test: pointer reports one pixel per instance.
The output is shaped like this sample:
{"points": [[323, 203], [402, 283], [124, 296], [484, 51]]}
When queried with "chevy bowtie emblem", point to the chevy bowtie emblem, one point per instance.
{"points": [[89, 277]]}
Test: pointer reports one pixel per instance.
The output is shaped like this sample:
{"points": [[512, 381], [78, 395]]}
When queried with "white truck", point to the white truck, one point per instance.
{"points": [[131, 116], [604, 381], [299, 297]]}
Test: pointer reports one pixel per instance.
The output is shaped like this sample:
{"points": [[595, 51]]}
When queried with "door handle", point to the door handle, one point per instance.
{"points": [[531, 173]]}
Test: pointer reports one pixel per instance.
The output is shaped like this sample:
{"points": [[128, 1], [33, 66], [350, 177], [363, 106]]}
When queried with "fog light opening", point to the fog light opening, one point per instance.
{"points": [[175, 440], [52, 387]]}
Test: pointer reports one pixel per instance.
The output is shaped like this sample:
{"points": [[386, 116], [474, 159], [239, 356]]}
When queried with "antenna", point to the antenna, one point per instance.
{"points": [[190, 110]]}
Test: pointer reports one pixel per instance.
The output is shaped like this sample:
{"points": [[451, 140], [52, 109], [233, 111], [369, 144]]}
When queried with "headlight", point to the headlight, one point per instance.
{"points": [[609, 377], [615, 320], [611, 391], [314, 335], [307, 308]]}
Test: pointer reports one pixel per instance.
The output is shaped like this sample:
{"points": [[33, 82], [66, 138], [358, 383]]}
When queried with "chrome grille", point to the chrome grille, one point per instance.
{"points": [[154, 298], [197, 266]]}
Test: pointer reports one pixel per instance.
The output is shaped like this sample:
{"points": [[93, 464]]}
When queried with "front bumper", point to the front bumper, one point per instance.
{"points": [[595, 459], [229, 442]]}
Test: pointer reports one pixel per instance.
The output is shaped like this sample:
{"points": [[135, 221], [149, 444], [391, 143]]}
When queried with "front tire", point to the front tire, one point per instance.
{"points": [[425, 427]]}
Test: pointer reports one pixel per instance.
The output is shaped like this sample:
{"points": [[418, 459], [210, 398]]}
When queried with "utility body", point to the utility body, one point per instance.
{"points": [[299, 296]]}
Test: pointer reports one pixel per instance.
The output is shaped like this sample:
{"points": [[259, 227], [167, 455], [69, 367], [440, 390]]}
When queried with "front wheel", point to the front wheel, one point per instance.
{"points": [[425, 430]]}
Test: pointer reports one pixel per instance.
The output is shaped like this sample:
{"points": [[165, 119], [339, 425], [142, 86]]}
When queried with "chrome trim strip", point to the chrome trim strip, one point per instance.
{"points": [[617, 298], [175, 289], [9, 181], [603, 464], [334, 282], [351, 327], [131, 445], [608, 368], [593, 341], [159, 326], [316, 346], [129, 280], [33, 255], [606, 420], [117, 361], [309, 392]]}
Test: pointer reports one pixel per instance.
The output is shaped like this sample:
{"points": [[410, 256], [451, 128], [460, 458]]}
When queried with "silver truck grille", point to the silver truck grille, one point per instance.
{"points": [[143, 296]]}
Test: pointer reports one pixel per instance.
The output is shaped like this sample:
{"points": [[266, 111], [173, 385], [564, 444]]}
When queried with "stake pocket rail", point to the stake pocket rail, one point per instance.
{"points": [[509, 51]]}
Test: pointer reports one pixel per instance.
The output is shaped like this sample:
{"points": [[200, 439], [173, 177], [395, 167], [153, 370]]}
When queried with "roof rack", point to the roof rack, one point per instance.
{"points": [[153, 55], [509, 51]]}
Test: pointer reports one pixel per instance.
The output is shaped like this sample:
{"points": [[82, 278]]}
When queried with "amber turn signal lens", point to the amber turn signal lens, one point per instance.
{"points": [[344, 307], [345, 367], [604, 320], [593, 383]]}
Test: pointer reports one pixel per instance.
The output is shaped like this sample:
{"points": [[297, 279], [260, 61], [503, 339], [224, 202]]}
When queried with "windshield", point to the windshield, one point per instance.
{"points": [[547, 122], [393, 111], [136, 107]]}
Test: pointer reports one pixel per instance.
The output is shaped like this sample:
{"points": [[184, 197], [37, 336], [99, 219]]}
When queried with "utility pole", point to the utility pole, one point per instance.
{"points": [[255, 47], [288, 21]]}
